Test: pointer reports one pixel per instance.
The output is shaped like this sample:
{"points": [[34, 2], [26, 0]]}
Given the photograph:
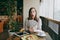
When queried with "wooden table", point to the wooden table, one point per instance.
{"points": [[34, 37]]}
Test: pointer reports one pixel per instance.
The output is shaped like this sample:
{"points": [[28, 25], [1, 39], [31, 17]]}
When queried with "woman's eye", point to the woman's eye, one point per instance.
{"points": [[32, 11]]}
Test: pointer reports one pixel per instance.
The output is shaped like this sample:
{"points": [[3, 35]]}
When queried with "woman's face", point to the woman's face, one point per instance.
{"points": [[33, 13]]}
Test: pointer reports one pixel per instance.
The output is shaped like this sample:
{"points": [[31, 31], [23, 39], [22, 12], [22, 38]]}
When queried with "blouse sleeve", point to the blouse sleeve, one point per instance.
{"points": [[39, 24], [39, 28]]}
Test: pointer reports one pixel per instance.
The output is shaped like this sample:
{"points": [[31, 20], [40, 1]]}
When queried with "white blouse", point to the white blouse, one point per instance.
{"points": [[36, 26], [32, 23]]}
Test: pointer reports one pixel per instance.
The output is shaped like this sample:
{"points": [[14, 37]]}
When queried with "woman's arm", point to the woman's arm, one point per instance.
{"points": [[27, 28], [39, 24]]}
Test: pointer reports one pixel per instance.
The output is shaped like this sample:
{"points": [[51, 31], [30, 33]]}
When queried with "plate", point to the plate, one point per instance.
{"points": [[43, 34]]}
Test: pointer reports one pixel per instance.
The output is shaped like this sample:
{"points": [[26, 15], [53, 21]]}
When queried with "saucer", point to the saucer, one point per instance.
{"points": [[43, 34]]}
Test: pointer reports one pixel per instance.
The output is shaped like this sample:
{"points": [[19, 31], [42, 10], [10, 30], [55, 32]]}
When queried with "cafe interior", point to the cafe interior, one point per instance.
{"points": [[14, 12]]}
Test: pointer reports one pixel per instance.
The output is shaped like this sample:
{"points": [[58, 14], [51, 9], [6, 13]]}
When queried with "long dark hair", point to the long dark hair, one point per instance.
{"points": [[29, 17]]}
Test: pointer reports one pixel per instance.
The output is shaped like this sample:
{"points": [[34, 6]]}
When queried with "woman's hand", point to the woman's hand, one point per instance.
{"points": [[31, 30]]}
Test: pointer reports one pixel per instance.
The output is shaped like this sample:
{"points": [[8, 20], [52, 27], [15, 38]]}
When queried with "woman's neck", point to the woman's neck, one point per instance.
{"points": [[33, 18]]}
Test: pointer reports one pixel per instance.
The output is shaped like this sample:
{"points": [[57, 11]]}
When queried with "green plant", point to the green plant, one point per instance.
{"points": [[12, 10], [15, 26]]}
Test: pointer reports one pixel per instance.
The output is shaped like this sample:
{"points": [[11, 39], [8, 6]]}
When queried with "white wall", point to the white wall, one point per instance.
{"points": [[50, 9], [27, 4], [57, 10], [46, 8]]}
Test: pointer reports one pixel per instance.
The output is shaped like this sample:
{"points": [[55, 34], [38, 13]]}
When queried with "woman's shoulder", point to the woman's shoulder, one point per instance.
{"points": [[39, 19]]}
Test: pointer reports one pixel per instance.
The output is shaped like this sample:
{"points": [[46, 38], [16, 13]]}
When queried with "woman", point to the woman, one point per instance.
{"points": [[33, 24]]}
